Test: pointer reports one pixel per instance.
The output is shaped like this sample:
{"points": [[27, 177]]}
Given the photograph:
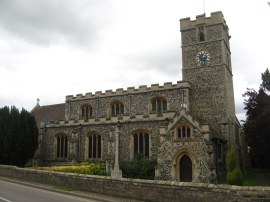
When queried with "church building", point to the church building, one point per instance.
{"points": [[186, 126]]}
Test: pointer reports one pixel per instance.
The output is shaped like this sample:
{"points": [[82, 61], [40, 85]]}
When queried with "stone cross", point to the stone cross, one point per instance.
{"points": [[116, 172], [38, 101]]}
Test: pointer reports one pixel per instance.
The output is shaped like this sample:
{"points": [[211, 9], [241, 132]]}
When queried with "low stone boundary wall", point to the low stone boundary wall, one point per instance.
{"points": [[149, 190]]}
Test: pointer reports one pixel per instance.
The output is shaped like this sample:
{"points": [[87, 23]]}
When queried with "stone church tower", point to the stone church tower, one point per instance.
{"points": [[206, 59], [185, 127]]}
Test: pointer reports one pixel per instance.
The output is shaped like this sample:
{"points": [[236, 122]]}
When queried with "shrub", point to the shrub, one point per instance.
{"points": [[139, 168], [234, 174], [85, 163], [85, 168], [28, 163], [98, 169], [235, 177], [230, 161]]}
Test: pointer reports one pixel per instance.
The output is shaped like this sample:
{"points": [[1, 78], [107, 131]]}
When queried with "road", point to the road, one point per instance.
{"points": [[12, 192]]}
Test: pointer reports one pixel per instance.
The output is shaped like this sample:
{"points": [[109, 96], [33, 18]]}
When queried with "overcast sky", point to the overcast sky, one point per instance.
{"points": [[53, 48]]}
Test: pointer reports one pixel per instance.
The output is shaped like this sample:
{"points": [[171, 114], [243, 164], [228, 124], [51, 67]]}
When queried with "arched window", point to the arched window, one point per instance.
{"points": [[86, 111], [61, 146], [117, 108], [94, 146], [159, 105], [141, 143], [183, 132]]}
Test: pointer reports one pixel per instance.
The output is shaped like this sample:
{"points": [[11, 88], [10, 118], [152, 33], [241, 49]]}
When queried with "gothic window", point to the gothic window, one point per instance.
{"points": [[141, 143], [159, 105], [61, 146], [201, 33], [86, 111], [183, 132], [117, 108], [94, 146]]}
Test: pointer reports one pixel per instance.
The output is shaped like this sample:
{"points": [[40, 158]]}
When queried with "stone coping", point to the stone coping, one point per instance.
{"points": [[130, 90], [215, 18], [149, 190], [113, 120], [142, 181]]}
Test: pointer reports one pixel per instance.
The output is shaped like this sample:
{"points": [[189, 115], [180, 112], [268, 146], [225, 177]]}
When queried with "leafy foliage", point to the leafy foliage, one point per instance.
{"points": [[85, 168], [234, 174], [230, 161], [257, 125], [139, 168], [18, 136]]}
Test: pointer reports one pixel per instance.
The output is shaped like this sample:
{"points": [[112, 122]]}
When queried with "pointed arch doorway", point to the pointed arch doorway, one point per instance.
{"points": [[185, 169]]}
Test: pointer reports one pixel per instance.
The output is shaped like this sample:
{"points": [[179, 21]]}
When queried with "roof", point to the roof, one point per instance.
{"points": [[214, 133], [44, 114]]}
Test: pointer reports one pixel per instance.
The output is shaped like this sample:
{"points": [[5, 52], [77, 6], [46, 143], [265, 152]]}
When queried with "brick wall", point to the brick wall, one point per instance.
{"points": [[141, 189]]}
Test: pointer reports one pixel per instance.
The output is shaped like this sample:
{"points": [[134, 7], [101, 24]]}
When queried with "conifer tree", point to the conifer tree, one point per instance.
{"points": [[257, 125], [18, 136]]}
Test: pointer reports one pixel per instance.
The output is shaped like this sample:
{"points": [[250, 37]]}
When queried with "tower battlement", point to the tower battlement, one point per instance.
{"points": [[215, 18]]}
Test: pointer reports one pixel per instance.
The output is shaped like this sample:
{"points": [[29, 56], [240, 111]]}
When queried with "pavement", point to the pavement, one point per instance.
{"points": [[86, 195]]}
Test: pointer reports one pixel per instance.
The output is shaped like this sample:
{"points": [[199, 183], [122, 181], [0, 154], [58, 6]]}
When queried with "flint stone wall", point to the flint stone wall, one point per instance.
{"points": [[141, 189]]}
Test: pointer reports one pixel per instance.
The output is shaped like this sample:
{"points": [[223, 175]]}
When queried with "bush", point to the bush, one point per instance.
{"points": [[139, 168], [235, 177], [84, 168], [234, 174], [98, 169], [29, 163], [230, 161]]}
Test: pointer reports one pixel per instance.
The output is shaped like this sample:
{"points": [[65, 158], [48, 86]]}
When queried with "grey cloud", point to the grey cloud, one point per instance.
{"points": [[45, 22], [166, 61], [239, 108]]}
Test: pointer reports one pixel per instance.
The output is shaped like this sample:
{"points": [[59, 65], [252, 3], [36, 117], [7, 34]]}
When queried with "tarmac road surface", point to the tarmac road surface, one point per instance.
{"points": [[20, 191], [11, 192]]}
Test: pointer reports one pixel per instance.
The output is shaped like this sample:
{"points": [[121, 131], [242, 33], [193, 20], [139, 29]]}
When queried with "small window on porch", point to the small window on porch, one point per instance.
{"points": [[183, 132]]}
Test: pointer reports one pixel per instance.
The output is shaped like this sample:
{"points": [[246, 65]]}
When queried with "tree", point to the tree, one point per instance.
{"points": [[257, 125], [18, 136]]}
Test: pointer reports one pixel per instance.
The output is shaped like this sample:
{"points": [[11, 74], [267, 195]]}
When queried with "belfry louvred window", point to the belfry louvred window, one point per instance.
{"points": [[201, 33]]}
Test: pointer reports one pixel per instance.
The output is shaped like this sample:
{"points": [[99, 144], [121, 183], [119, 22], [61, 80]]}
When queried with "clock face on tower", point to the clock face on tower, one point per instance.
{"points": [[203, 57]]}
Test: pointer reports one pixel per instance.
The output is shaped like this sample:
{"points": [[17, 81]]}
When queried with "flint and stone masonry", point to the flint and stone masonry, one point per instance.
{"points": [[185, 126]]}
